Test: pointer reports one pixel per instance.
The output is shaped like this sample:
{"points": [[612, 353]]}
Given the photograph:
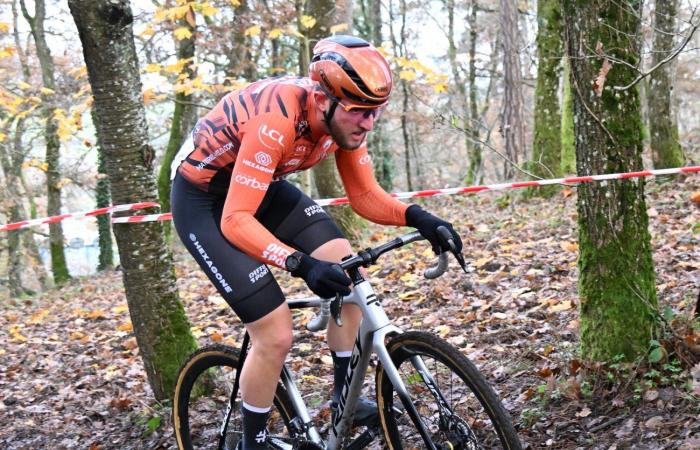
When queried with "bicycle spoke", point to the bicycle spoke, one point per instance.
{"points": [[456, 413]]}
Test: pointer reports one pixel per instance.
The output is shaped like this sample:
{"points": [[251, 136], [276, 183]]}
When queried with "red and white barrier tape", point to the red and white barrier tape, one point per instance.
{"points": [[96, 212], [468, 189]]}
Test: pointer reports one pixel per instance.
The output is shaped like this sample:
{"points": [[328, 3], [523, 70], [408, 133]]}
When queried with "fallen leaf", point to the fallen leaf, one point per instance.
{"points": [[585, 412], [599, 83], [563, 306], [654, 422], [569, 246]]}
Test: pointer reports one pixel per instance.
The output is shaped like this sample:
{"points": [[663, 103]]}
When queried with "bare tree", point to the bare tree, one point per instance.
{"points": [[546, 143], [617, 289], [512, 126], [161, 327], [666, 150], [59, 266]]}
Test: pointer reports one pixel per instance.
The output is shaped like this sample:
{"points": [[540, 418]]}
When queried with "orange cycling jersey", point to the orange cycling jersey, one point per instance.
{"points": [[261, 133]]}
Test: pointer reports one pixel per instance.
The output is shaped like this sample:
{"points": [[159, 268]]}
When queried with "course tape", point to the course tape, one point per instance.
{"points": [[468, 189], [96, 212], [344, 200]]}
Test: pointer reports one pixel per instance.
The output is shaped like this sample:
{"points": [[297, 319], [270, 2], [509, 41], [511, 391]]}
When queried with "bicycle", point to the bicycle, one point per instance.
{"points": [[429, 395]]}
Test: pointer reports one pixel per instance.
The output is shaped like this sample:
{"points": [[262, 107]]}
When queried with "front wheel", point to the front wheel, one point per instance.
{"points": [[453, 404], [202, 397]]}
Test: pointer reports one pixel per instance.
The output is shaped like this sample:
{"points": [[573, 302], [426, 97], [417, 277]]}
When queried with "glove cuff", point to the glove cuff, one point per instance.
{"points": [[414, 214]]}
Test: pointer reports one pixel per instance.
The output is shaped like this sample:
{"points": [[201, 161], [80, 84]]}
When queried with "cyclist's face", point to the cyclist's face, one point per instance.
{"points": [[349, 128]]}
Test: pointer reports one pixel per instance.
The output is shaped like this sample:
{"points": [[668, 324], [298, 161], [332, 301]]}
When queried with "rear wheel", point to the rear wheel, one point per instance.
{"points": [[453, 402], [202, 396]]}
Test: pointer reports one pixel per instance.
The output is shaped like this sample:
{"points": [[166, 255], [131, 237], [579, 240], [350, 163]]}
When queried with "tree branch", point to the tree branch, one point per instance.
{"points": [[666, 60]]}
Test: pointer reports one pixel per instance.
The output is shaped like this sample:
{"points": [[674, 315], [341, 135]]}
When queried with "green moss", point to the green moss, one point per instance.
{"points": [[568, 147], [173, 346], [546, 145]]}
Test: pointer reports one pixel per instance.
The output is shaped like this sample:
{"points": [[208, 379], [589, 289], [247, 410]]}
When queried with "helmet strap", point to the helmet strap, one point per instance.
{"points": [[328, 115]]}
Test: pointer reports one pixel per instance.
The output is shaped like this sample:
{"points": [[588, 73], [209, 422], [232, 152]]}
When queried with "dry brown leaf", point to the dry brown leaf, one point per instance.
{"points": [[126, 326], [695, 197], [599, 83], [569, 246]]}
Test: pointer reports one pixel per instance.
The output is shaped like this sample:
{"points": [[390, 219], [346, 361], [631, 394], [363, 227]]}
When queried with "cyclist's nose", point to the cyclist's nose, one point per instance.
{"points": [[367, 122]]}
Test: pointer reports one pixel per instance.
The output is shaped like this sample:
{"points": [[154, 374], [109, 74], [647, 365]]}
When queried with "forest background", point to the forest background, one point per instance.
{"points": [[484, 94]]}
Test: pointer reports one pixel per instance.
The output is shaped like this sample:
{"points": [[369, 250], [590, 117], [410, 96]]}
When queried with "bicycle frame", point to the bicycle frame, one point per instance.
{"points": [[374, 329]]}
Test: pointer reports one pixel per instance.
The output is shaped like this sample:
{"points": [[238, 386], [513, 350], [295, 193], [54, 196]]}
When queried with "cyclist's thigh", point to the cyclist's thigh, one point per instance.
{"points": [[296, 219], [245, 283]]}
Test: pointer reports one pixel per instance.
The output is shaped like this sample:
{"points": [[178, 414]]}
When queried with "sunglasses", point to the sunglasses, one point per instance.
{"points": [[363, 111]]}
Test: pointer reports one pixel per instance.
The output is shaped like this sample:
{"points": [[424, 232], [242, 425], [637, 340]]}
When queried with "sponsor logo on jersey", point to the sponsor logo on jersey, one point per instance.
{"points": [[328, 143], [212, 268], [258, 273], [365, 159], [269, 137], [256, 166], [313, 209], [250, 182], [218, 152], [292, 162], [275, 254], [299, 149], [263, 158]]}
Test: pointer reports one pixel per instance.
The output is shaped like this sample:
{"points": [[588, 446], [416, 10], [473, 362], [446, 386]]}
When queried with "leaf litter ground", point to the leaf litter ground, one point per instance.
{"points": [[71, 375]]}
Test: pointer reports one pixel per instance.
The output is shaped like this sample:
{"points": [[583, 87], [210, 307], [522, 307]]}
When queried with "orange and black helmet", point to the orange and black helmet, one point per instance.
{"points": [[351, 71]]}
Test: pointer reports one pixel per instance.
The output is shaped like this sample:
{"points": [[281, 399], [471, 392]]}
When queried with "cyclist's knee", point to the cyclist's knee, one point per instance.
{"points": [[333, 250], [272, 334]]}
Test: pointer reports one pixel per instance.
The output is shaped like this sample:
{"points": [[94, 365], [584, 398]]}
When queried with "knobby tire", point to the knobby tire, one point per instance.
{"points": [[471, 416]]}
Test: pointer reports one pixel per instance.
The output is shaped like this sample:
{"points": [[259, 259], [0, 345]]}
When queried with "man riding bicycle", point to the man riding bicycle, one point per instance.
{"points": [[236, 214]]}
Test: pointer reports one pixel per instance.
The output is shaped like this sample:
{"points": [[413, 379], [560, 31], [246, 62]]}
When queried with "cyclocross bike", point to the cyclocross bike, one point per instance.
{"points": [[429, 395]]}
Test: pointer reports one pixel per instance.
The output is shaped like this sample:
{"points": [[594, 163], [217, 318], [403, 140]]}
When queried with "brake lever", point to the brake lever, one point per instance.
{"points": [[447, 236], [336, 308]]}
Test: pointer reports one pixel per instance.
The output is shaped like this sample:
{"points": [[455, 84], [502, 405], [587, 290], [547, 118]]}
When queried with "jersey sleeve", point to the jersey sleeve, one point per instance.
{"points": [[264, 141], [367, 198]]}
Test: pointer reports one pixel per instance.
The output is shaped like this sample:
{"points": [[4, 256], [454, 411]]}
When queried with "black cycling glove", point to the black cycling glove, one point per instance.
{"points": [[427, 224], [323, 278]]}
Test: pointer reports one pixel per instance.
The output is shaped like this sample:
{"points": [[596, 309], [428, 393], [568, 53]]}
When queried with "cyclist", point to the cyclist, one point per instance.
{"points": [[236, 214]]}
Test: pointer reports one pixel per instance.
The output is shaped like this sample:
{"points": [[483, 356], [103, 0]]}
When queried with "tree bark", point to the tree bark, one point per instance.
{"points": [[568, 148], [617, 281], [476, 162], [53, 145], [182, 112], [327, 14], [378, 141], [104, 228], [512, 126], [161, 327], [546, 143], [666, 150]]}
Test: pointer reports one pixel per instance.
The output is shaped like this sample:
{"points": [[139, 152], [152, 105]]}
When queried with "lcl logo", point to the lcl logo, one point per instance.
{"points": [[275, 135]]}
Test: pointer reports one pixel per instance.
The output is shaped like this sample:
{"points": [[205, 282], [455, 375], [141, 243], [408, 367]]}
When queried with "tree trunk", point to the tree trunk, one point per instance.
{"points": [[476, 163], [568, 148], [104, 228], [546, 143], [53, 145], [617, 281], [328, 14], [512, 126], [182, 112], [378, 140], [161, 327], [666, 151]]}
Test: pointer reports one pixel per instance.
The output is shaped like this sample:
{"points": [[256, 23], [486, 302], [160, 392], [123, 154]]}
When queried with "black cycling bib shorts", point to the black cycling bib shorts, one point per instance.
{"points": [[245, 283]]}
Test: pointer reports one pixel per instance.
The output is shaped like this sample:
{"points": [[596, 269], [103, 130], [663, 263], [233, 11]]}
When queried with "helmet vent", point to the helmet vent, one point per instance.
{"points": [[345, 65]]}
